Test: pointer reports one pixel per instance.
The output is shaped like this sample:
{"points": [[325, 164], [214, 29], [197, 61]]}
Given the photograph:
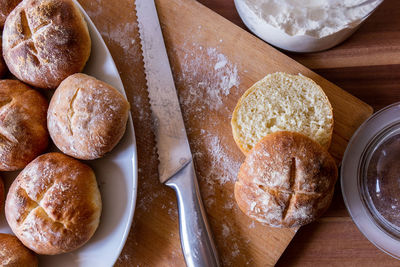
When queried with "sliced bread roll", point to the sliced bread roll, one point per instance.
{"points": [[282, 102]]}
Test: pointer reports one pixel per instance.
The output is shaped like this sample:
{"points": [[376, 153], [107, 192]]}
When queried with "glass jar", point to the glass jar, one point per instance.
{"points": [[370, 178]]}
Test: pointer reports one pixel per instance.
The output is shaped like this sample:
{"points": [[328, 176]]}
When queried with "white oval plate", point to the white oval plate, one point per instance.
{"points": [[116, 175]]}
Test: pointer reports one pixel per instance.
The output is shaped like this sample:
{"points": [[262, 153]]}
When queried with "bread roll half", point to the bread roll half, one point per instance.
{"points": [[282, 102]]}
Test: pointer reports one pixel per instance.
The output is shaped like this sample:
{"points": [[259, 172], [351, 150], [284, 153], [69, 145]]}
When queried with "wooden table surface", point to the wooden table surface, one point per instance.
{"points": [[367, 65]]}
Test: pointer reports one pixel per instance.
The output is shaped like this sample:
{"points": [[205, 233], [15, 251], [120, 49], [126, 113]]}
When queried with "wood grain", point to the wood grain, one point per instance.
{"points": [[154, 239]]}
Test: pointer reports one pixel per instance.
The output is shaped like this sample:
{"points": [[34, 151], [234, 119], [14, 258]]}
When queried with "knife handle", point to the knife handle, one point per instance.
{"points": [[196, 237]]}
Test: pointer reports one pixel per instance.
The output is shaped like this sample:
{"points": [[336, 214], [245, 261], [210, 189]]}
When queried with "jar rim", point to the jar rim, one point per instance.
{"points": [[374, 144], [370, 130]]}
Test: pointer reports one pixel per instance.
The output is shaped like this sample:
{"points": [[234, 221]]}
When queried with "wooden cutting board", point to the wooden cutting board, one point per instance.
{"points": [[199, 43], [213, 62]]}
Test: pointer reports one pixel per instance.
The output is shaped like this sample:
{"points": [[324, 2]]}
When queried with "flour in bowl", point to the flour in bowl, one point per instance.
{"points": [[304, 25]]}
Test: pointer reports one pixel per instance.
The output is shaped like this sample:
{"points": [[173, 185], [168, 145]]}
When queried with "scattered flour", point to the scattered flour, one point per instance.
{"points": [[229, 204], [235, 250], [119, 35], [225, 231], [214, 87], [173, 212], [228, 169], [252, 225], [207, 79]]}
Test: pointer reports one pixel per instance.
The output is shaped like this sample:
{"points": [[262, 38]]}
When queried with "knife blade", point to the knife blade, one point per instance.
{"points": [[175, 159]]}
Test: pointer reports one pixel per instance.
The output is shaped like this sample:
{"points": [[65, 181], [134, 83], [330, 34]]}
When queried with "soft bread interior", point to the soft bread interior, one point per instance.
{"points": [[282, 102]]}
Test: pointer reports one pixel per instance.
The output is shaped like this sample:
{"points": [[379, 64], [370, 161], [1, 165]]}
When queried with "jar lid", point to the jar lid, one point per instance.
{"points": [[370, 179]]}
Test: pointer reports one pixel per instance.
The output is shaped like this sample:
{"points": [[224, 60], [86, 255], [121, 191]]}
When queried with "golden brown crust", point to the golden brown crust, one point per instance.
{"points": [[14, 254], [6, 6], [54, 204], [45, 41], [287, 180], [23, 131], [86, 117]]}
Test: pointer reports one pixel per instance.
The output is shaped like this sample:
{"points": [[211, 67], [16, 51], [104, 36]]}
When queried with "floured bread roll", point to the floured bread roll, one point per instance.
{"points": [[287, 180], [45, 41], [54, 204], [282, 102], [86, 117], [14, 254], [6, 6], [23, 131]]}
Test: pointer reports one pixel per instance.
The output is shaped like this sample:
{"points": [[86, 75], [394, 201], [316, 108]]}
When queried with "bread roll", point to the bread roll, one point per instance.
{"points": [[45, 41], [6, 6], [14, 254], [23, 131], [287, 180], [54, 204], [86, 117], [282, 102], [3, 68]]}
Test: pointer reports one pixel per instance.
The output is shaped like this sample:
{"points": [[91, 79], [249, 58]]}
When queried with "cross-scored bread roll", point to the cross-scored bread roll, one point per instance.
{"points": [[86, 117], [282, 102], [287, 180], [6, 6], [45, 41], [23, 131], [54, 204], [14, 254]]}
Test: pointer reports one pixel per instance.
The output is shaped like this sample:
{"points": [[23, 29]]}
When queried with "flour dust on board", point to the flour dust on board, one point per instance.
{"points": [[206, 79]]}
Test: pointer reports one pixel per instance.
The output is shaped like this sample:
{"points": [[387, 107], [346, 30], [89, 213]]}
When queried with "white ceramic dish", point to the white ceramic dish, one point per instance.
{"points": [[294, 43], [116, 175]]}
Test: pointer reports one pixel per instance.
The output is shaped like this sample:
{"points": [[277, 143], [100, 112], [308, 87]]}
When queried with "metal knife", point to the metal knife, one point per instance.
{"points": [[176, 168]]}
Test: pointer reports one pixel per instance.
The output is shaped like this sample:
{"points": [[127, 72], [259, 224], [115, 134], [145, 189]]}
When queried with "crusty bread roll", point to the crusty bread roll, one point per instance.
{"points": [[282, 102], [3, 67], [54, 204], [45, 41], [14, 254], [6, 6], [86, 117], [23, 131], [287, 180]]}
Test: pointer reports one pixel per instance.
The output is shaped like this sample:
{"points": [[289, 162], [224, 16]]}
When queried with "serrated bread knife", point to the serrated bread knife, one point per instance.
{"points": [[176, 168]]}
